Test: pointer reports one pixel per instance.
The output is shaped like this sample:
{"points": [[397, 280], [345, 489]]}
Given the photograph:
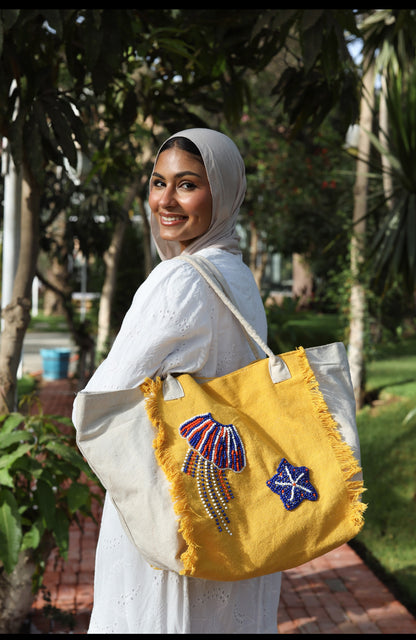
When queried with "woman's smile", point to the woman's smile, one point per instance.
{"points": [[167, 219]]}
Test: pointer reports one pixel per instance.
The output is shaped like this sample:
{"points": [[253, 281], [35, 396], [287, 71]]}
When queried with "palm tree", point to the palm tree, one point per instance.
{"points": [[388, 37], [394, 246]]}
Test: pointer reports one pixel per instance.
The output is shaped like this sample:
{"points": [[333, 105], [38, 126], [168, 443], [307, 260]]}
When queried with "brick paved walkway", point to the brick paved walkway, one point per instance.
{"points": [[336, 593]]}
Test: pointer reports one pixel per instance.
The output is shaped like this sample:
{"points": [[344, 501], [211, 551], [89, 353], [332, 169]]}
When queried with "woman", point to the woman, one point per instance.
{"points": [[176, 324]]}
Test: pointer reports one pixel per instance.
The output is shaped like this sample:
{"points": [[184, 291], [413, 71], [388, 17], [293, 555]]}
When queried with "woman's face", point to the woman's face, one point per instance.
{"points": [[180, 196]]}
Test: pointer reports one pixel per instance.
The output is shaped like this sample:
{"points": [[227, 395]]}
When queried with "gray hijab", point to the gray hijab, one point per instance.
{"points": [[226, 175]]}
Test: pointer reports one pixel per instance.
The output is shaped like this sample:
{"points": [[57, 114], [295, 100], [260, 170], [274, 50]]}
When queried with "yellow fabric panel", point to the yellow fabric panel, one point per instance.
{"points": [[288, 420]]}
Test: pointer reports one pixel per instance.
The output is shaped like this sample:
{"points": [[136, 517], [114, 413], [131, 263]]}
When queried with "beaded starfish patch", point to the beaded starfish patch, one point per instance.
{"points": [[292, 485], [213, 449]]}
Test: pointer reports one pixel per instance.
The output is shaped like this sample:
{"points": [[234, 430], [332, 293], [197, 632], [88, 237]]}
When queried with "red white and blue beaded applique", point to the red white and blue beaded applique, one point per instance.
{"points": [[292, 485], [214, 448]]}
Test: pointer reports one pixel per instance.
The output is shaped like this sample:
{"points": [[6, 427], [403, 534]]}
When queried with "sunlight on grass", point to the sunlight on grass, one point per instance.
{"points": [[388, 449]]}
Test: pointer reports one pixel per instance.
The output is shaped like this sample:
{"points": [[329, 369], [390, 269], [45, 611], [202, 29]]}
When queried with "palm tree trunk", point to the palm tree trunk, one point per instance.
{"points": [[357, 300], [383, 137]]}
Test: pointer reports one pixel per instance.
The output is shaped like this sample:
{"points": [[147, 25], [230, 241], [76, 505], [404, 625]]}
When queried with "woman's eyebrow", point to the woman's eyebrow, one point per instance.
{"points": [[181, 174]]}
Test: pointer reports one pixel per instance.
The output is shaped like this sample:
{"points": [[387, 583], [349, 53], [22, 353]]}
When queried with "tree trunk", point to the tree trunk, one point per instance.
{"points": [[147, 239], [302, 287], [383, 137], [16, 596], [16, 593], [258, 258], [111, 260], [357, 300], [58, 272], [16, 314]]}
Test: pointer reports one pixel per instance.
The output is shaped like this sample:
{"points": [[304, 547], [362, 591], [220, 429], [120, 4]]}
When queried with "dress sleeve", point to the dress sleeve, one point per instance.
{"points": [[168, 329]]}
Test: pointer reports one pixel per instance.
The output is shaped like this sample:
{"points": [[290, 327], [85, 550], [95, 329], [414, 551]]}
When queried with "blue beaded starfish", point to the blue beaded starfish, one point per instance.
{"points": [[292, 485]]}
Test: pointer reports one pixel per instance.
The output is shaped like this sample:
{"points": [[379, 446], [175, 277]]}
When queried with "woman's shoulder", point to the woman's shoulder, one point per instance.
{"points": [[222, 258], [240, 280], [231, 265], [168, 270], [171, 280]]}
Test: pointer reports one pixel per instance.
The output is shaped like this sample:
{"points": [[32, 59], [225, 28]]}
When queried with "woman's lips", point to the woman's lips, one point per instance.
{"points": [[168, 220]]}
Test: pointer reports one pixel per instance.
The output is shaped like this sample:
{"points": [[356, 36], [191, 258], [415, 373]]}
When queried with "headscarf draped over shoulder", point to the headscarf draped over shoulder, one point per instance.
{"points": [[226, 175]]}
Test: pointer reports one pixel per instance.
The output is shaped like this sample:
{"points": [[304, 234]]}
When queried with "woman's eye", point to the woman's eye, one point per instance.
{"points": [[188, 186]]}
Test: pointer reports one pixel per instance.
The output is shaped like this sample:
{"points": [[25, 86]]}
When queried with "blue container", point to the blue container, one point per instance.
{"points": [[55, 363]]}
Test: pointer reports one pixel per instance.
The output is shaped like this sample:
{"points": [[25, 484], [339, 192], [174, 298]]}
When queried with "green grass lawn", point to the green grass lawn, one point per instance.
{"points": [[388, 449]]}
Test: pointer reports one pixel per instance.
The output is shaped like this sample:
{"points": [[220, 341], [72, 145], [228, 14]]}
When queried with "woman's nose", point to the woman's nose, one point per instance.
{"points": [[167, 197]]}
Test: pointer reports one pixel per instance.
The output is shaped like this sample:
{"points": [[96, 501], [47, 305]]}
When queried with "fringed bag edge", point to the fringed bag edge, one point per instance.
{"points": [[342, 449], [152, 390]]}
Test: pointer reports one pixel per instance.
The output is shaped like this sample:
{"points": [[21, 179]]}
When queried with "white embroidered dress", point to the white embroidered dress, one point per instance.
{"points": [[177, 324]]}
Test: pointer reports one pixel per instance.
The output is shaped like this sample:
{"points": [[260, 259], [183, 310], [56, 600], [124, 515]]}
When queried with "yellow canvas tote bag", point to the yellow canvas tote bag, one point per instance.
{"points": [[250, 473]]}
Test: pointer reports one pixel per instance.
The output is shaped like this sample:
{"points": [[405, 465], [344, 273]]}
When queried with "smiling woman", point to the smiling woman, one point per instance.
{"points": [[177, 324]]}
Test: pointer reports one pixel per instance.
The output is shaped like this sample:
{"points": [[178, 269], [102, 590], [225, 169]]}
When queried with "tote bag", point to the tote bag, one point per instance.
{"points": [[247, 474]]}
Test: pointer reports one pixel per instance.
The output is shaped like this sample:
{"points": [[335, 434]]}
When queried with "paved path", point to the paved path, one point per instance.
{"points": [[336, 593]]}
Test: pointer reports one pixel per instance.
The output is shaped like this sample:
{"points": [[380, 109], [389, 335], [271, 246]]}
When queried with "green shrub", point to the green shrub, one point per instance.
{"points": [[42, 487]]}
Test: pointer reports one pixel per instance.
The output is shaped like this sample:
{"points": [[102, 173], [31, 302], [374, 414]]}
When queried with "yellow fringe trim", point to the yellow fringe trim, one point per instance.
{"points": [[152, 390], [342, 449]]}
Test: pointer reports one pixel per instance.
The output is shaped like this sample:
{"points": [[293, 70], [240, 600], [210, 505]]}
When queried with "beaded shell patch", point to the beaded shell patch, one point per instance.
{"points": [[214, 449], [292, 485]]}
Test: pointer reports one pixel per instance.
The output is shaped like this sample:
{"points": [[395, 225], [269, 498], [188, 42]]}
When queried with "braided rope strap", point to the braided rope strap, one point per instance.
{"points": [[278, 368]]}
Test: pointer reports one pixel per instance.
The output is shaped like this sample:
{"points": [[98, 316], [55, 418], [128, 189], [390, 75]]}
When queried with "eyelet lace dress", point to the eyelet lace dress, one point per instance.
{"points": [[176, 324]]}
